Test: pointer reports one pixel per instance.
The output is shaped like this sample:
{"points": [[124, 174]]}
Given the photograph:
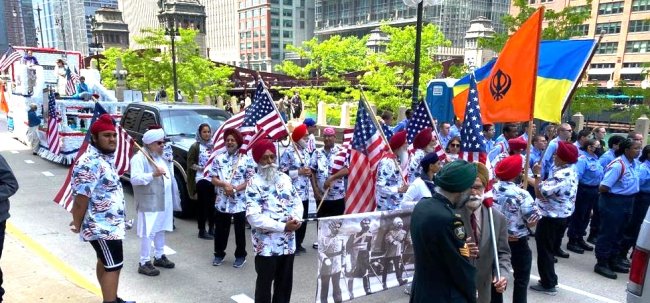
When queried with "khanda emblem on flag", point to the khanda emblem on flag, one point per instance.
{"points": [[500, 85]]}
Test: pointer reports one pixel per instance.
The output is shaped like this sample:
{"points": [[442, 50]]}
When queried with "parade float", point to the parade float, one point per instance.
{"points": [[28, 83]]}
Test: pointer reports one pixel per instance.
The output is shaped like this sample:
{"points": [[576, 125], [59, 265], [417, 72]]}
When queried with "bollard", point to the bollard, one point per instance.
{"points": [[322, 116], [345, 115], [401, 114], [642, 126], [579, 120]]}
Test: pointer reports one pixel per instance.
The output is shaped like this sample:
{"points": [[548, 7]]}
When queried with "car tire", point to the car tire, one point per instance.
{"points": [[187, 204]]}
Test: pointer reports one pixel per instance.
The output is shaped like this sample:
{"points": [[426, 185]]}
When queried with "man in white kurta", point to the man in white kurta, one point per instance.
{"points": [[152, 190]]}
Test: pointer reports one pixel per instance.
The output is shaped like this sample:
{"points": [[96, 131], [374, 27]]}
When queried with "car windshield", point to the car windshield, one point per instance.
{"points": [[186, 121]]}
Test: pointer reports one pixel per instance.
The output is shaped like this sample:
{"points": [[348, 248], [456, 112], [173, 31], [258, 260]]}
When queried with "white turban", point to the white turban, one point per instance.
{"points": [[153, 135]]}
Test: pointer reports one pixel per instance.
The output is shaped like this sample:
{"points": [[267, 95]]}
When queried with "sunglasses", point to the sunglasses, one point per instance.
{"points": [[160, 142], [454, 145]]}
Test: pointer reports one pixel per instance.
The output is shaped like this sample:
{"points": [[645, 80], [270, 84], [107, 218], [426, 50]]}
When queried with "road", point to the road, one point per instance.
{"points": [[194, 279]]}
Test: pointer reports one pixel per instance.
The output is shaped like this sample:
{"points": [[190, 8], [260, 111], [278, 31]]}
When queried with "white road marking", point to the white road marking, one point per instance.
{"points": [[29, 161], [166, 250], [15, 152], [242, 298], [580, 292], [47, 174]]}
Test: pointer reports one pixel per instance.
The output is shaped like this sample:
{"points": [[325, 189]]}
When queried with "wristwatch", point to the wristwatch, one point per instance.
{"points": [[535, 176], [234, 190]]}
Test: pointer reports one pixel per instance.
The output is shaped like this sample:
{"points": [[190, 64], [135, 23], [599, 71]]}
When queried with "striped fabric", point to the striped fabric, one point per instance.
{"points": [[8, 58], [53, 138], [340, 158]]}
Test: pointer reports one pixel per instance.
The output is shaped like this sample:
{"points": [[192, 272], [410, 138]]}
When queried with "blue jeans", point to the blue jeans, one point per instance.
{"points": [[585, 199], [615, 211]]}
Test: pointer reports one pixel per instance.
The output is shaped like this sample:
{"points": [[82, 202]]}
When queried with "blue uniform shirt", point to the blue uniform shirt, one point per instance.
{"points": [[590, 172], [387, 131], [33, 119], [401, 126], [607, 157], [644, 176], [625, 184], [547, 161], [489, 145], [454, 131], [535, 156], [497, 149]]}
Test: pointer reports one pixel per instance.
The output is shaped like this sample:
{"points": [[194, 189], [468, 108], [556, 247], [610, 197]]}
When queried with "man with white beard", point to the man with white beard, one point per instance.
{"points": [[475, 216], [274, 211], [390, 184], [423, 144], [295, 163]]}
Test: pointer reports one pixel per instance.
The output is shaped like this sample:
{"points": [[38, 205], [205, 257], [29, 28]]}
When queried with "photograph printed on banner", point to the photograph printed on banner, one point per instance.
{"points": [[362, 254]]}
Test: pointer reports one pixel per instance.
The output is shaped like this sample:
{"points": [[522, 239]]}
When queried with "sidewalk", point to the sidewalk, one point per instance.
{"points": [[31, 274]]}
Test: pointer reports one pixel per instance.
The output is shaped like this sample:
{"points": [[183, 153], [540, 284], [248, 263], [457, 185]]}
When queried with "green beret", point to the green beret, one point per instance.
{"points": [[456, 176]]}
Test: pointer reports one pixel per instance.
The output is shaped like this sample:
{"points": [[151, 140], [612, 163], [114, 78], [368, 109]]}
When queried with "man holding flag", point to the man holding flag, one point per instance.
{"points": [[390, 186], [98, 210]]}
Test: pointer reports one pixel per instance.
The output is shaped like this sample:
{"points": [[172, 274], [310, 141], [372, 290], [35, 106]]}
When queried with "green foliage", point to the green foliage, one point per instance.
{"points": [[632, 112], [458, 71], [586, 101], [150, 69], [559, 24]]}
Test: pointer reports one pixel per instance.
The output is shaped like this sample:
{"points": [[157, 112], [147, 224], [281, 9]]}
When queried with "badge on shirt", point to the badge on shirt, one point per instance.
{"points": [[459, 229]]}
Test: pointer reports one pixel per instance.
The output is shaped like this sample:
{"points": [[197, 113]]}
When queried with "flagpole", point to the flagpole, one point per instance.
{"points": [[293, 144], [146, 155], [567, 104], [435, 127], [381, 131]]}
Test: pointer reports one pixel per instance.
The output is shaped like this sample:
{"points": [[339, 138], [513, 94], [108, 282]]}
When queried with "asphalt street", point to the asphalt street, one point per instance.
{"points": [[195, 279]]}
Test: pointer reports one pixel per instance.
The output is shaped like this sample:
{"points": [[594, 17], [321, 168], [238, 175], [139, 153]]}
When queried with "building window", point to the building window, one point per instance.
{"points": [[640, 5], [302, 24], [287, 13], [637, 46], [275, 33], [581, 30], [632, 64], [608, 28], [275, 44], [610, 8], [275, 1], [275, 56], [275, 22], [601, 65], [287, 34], [639, 26], [287, 23], [288, 2], [275, 11], [582, 8], [531, 1], [607, 48]]}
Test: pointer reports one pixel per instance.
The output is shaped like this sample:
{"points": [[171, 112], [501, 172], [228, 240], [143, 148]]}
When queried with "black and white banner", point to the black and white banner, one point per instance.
{"points": [[361, 254]]}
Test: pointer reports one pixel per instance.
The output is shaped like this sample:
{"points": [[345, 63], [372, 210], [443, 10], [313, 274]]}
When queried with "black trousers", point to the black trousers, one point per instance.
{"points": [[300, 233], [586, 197], [3, 226], [325, 287], [631, 232], [521, 258], [395, 263], [276, 272], [546, 236], [615, 212], [206, 198], [222, 232], [331, 208]]}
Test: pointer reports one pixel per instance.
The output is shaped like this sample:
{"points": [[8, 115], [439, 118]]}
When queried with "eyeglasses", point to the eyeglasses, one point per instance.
{"points": [[454, 145]]}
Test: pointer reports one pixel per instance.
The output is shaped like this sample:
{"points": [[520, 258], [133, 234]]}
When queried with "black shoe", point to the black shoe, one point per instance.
{"points": [[119, 300], [623, 260], [549, 291], [592, 238], [211, 232], [618, 267], [562, 254], [300, 249], [205, 236], [163, 262], [148, 269], [584, 245], [554, 260], [575, 247], [605, 271]]}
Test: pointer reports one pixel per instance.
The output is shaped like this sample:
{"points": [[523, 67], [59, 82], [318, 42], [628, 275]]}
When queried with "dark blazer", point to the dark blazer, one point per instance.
{"points": [[192, 158], [485, 262], [443, 272], [8, 187]]}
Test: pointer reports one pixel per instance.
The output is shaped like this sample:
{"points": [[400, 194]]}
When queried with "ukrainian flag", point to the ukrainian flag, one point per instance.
{"points": [[560, 64]]}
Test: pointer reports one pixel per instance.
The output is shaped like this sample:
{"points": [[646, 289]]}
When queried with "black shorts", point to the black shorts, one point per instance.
{"points": [[110, 252]]}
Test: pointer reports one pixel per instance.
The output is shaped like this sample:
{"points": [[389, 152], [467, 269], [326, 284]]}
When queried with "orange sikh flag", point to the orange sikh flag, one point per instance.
{"points": [[4, 107], [508, 94]]}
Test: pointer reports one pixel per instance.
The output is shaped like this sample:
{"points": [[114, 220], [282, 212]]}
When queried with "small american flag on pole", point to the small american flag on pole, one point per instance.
{"points": [[73, 78], [339, 160], [471, 135], [8, 58], [53, 138], [422, 119], [368, 147], [122, 158]]}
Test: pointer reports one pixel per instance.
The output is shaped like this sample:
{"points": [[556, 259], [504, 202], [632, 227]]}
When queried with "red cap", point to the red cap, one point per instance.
{"points": [[103, 123], [567, 152], [423, 138], [261, 147], [517, 144], [397, 140], [509, 168], [299, 132]]}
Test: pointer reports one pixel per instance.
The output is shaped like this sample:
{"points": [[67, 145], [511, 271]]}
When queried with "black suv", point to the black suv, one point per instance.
{"points": [[180, 122]]}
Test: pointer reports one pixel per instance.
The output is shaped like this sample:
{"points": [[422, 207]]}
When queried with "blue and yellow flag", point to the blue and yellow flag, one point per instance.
{"points": [[560, 64]]}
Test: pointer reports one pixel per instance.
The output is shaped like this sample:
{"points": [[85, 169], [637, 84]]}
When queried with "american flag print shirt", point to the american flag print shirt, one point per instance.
{"points": [[278, 202], [321, 163], [559, 191], [389, 181], [290, 164], [222, 168], [516, 205], [414, 170], [94, 176]]}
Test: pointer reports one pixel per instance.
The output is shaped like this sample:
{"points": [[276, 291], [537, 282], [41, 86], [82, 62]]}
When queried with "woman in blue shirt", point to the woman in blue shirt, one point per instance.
{"points": [[590, 173], [641, 203]]}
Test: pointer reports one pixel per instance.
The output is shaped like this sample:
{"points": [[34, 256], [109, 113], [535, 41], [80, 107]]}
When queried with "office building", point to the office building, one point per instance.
{"points": [[222, 34], [109, 30]]}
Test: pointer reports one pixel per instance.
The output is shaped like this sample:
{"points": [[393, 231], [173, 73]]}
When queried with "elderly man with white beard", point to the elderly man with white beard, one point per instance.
{"points": [[274, 211], [152, 191], [423, 143], [475, 216], [295, 163], [390, 186]]}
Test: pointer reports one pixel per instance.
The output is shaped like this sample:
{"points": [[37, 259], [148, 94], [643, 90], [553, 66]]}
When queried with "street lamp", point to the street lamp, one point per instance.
{"points": [[96, 45], [168, 19], [40, 27]]}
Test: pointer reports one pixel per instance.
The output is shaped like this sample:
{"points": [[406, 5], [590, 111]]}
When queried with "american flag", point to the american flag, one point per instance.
{"points": [[73, 78], [122, 158], [338, 162], [9, 57], [53, 138], [368, 147], [256, 122], [471, 134], [422, 119]]}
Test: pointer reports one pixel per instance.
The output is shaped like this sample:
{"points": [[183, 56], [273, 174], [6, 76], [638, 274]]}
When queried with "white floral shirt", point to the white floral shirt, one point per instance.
{"points": [[321, 162], [222, 168], [268, 208], [414, 165], [290, 163], [388, 183], [559, 192], [517, 205], [204, 155]]}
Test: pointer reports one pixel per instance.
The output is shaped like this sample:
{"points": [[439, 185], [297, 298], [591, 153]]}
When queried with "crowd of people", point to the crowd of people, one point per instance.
{"points": [[574, 182]]}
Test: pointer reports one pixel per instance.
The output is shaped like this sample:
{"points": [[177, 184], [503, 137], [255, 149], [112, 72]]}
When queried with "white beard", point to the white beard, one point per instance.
{"points": [[268, 172], [474, 202]]}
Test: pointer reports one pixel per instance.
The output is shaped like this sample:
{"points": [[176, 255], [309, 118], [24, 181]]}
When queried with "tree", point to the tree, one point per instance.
{"points": [[559, 25], [587, 102], [632, 112]]}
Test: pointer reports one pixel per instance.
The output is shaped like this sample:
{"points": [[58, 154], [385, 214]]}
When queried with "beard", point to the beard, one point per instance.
{"points": [[302, 143], [268, 172], [429, 149], [474, 202], [462, 200]]}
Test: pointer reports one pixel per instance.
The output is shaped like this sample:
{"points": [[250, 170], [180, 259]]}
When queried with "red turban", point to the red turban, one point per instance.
{"points": [[235, 134], [567, 152], [423, 138], [261, 147], [299, 132], [509, 168], [517, 144], [103, 123], [397, 140]]}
